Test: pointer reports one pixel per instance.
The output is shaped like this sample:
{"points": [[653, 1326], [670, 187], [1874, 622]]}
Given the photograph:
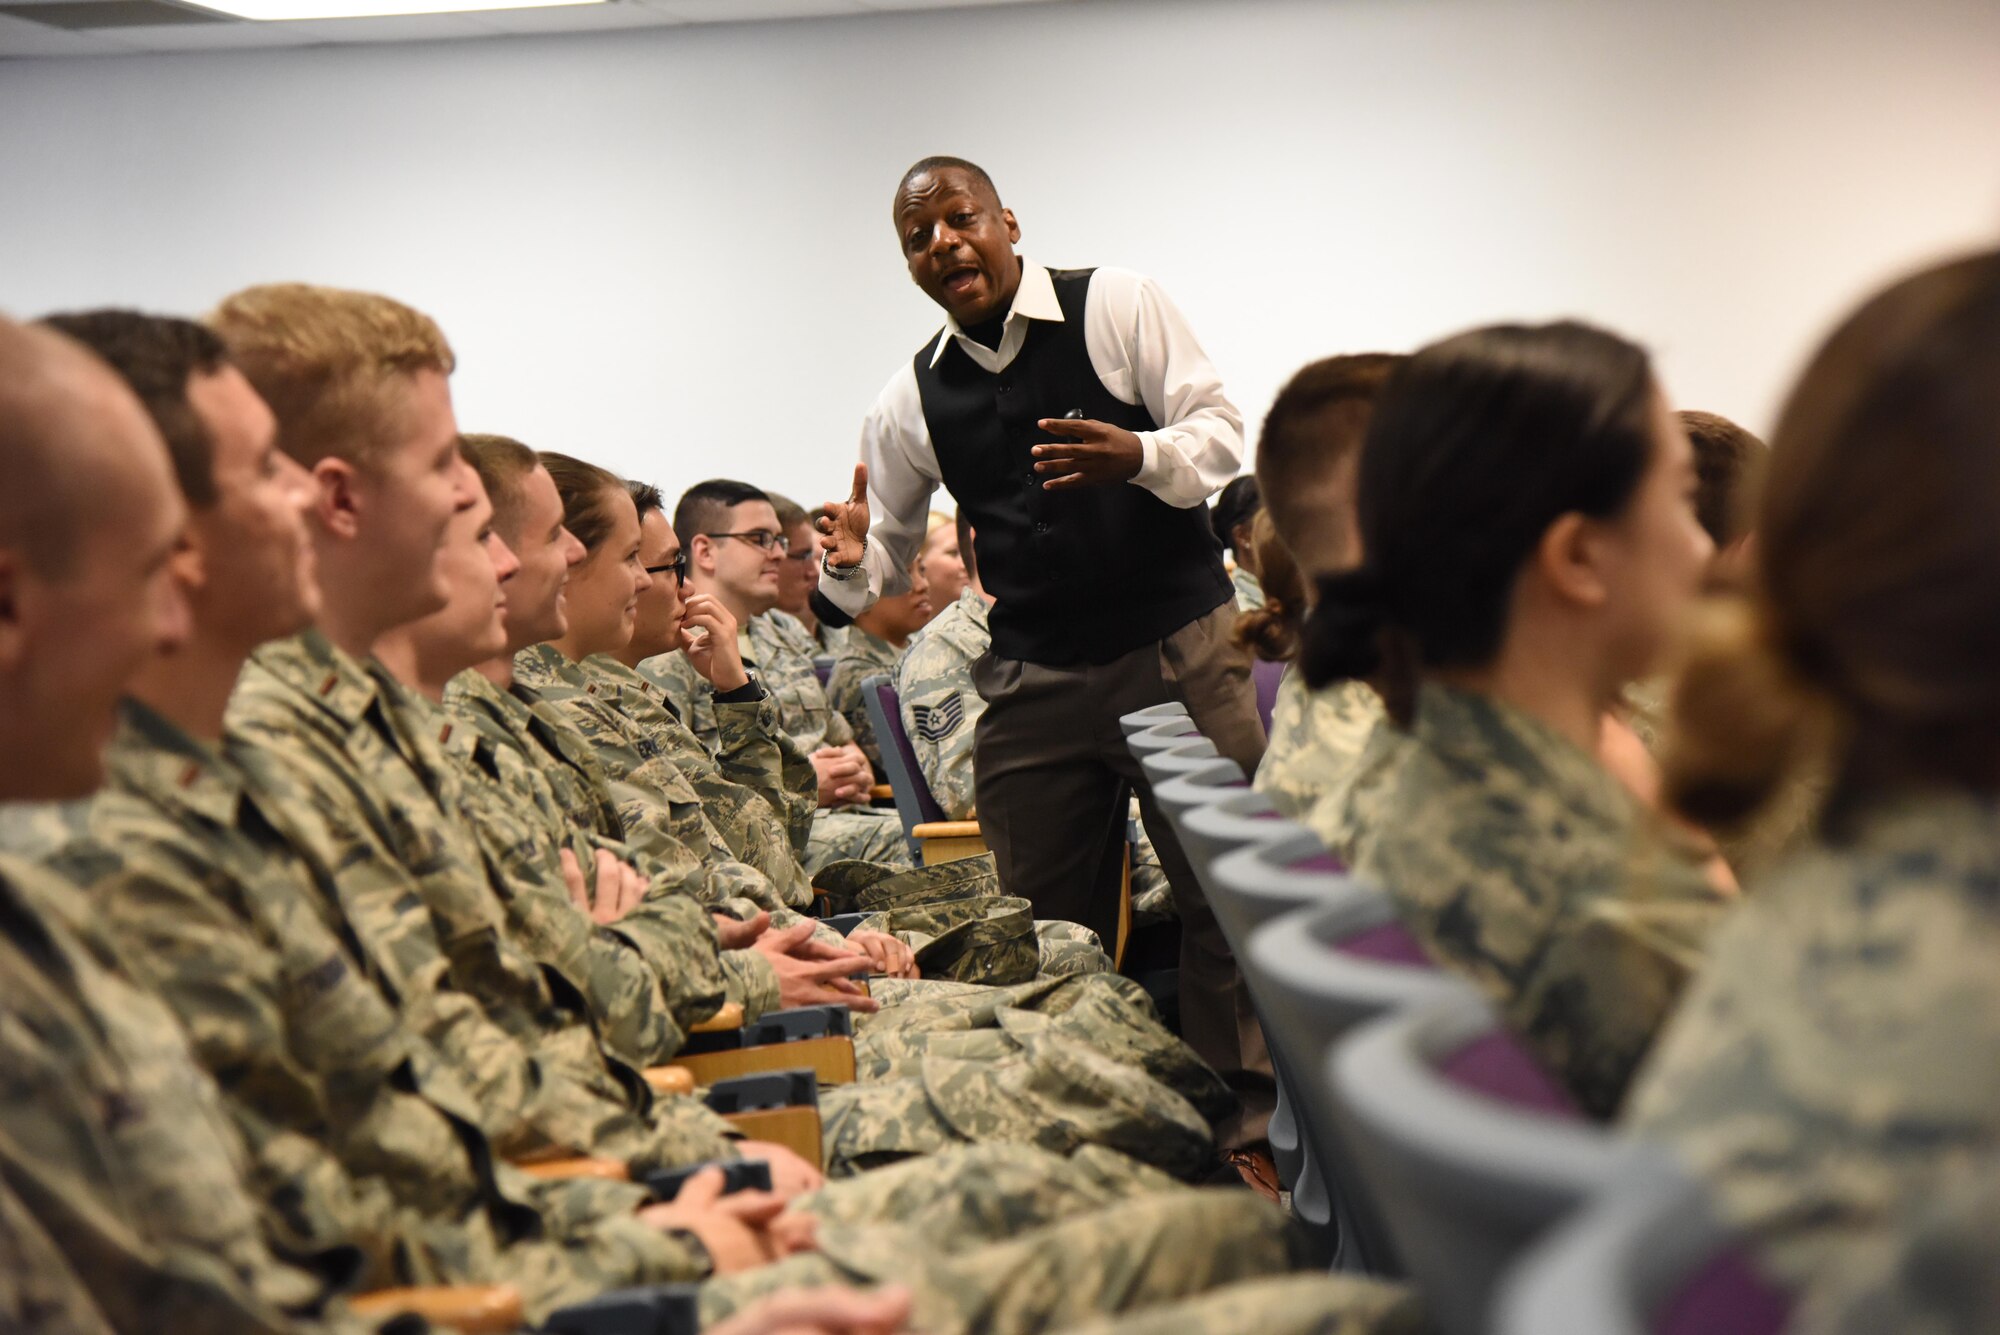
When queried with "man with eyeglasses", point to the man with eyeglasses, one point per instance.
{"points": [[735, 546]]}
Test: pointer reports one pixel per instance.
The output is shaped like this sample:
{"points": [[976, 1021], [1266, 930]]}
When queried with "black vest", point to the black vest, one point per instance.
{"points": [[1080, 576]]}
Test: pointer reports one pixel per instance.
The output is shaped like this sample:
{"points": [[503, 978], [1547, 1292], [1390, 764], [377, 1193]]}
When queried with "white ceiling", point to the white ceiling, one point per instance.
{"points": [[22, 38]]}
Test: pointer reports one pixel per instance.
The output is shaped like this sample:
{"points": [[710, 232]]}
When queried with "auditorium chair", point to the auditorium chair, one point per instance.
{"points": [[1151, 716], [1210, 781], [1647, 1255], [1466, 1145], [1162, 736], [933, 838], [1191, 754]]}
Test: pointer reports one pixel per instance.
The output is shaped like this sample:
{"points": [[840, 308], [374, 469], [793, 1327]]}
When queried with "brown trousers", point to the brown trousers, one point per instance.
{"points": [[1053, 780]]}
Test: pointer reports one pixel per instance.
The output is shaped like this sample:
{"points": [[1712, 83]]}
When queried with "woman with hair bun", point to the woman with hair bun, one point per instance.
{"points": [[1837, 1064], [1525, 502]]}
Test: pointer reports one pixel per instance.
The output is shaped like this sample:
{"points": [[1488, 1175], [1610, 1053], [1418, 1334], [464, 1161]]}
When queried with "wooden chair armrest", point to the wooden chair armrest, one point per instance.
{"points": [[670, 1079], [881, 792], [562, 1170], [946, 829], [797, 1129], [831, 1058], [471, 1309], [729, 1017]]}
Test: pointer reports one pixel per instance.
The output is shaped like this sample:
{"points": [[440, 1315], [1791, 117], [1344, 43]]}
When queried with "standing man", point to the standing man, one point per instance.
{"points": [[1081, 428]]}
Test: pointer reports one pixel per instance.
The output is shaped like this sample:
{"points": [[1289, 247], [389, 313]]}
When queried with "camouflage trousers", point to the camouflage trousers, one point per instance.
{"points": [[1107, 1011], [934, 909], [1131, 1256], [1051, 1092], [866, 834], [1288, 1305]]}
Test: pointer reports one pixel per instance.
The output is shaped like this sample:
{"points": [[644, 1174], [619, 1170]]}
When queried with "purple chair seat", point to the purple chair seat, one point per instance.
{"points": [[1386, 943], [1498, 1066], [1319, 862], [1724, 1297], [1266, 675]]}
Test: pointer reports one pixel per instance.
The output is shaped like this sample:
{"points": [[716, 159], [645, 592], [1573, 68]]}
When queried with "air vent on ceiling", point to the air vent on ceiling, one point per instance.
{"points": [[84, 15]]}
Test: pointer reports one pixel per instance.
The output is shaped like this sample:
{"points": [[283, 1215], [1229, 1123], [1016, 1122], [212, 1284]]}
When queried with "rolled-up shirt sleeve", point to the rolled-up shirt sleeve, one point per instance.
{"points": [[902, 477], [1144, 352]]}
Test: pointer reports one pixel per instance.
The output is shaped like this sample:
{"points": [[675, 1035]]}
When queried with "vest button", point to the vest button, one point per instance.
{"points": [[1042, 527]]}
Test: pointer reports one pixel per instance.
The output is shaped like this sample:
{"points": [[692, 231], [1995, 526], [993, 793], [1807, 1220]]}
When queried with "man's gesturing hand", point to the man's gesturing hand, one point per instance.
{"points": [[843, 525], [1096, 454]]}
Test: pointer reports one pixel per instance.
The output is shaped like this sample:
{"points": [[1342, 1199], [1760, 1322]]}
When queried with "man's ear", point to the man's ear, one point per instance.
{"points": [[337, 506], [189, 563], [13, 616], [701, 553], [1570, 560], [1013, 224]]}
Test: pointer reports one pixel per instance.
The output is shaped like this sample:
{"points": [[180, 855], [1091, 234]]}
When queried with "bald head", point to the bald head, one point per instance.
{"points": [[68, 427], [89, 521]]}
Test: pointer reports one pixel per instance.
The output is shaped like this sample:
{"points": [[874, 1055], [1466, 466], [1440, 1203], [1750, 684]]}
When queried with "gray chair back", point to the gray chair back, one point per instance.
{"points": [[1196, 786], [1151, 716], [1189, 755], [1646, 1256], [1467, 1148], [1312, 993], [1162, 737]]}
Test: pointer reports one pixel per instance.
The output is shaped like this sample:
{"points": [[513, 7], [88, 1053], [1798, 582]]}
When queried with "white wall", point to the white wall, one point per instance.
{"points": [[670, 251]]}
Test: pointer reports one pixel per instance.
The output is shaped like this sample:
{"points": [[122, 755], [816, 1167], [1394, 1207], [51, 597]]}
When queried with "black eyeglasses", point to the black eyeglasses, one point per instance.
{"points": [[678, 568], [762, 539]]}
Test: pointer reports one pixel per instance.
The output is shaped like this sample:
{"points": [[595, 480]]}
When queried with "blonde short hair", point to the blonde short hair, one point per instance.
{"points": [[330, 363]]}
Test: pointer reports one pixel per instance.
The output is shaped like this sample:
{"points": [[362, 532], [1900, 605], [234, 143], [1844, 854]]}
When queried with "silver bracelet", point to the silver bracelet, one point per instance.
{"points": [[844, 573]]}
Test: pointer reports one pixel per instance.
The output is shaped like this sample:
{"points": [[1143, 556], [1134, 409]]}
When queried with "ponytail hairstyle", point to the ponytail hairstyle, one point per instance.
{"points": [[1478, 444], [1866, 641], [1272, 631], [585, 490]]}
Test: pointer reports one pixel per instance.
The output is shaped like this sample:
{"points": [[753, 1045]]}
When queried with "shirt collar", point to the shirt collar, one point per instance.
{"points": [[320, 671], [1034, 299], [152, 757]]}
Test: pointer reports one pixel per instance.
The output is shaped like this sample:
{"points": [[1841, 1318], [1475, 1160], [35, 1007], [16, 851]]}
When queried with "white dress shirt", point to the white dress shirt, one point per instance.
{"points": [[1142, 350]]}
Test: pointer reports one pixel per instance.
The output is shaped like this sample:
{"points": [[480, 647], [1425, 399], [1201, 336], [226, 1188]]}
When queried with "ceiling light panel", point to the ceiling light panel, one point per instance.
{"points": [[279, 11]]}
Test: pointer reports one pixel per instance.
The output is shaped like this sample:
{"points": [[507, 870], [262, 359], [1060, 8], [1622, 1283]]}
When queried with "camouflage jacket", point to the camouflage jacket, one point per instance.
{"points": [[360, 1134], [119, 1147], [1836, 1063], [865, 656], [39, 1290], [940, 705], [648, 784], [631, 821], [646, 979], [1317, 738], [750, 790], [781, 650], [1520, 863], [346, 786]]}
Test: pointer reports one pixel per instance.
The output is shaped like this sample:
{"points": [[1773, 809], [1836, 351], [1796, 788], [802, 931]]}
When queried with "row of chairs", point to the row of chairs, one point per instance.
{"points": [[1419, 1137]]}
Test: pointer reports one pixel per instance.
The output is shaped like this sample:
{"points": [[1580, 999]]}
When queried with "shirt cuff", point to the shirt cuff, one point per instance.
{"points": [[749, 693], [1149, 474]]}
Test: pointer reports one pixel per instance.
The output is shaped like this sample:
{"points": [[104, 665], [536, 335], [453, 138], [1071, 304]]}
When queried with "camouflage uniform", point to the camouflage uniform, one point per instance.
{"points": [[635, 759], [360, 1135], [1836, 1064], [31, 829], [344, 783], [1317, 738], [1144, 1255], [115, 1142], [756, 790], [941, 707], [1520, 863], [782, 651], [38, 1289], [646, 979], [865, 656], [1338, 1304], [1939, 1273]]}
